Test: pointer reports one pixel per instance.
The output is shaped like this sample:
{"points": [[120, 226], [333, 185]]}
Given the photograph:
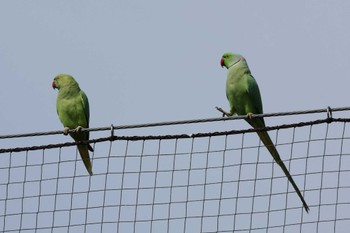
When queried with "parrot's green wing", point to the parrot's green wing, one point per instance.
{"points": [[86, 108], [255, 98], [254, 93]]}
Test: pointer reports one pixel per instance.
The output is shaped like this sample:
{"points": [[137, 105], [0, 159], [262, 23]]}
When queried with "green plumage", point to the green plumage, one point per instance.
{"points": [[243, 94], [73, 110]]}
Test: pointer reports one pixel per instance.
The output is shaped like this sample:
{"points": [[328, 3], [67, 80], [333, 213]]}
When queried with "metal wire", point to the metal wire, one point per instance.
{"points": [[194, 121], [175, 136]]}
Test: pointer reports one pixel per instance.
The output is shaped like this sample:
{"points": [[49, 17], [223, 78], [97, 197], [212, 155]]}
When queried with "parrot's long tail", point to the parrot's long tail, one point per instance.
{"points": [[265, 138], [84, 153]]}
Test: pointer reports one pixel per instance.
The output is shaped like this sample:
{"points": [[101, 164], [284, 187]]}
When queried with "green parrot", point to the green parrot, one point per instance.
{"points": [[243, 94], [73, 110]]}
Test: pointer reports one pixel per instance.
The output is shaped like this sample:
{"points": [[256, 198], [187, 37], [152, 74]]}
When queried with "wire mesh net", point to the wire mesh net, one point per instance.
{"points": [[207, 184]]}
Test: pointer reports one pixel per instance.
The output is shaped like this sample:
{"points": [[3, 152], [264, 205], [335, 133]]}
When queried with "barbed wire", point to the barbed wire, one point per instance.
{"points": [[327, 110], [176, 136]]}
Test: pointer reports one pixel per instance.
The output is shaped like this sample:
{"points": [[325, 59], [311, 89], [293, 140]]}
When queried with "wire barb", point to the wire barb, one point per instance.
{"points": [[329, 114], [112, 131]]}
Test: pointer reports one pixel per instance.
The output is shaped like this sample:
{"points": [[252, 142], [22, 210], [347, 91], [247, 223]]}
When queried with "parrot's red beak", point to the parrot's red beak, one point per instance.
{"points": [[54, 85], [222, 63]]}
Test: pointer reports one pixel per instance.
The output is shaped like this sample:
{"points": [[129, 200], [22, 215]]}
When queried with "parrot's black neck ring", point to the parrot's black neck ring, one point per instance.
{"points": [[235, 62]]}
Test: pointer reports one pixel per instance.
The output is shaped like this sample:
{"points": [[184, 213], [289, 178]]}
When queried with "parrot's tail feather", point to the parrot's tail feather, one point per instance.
{"points": [[285, 170], [84, 153], [265, 138], [81, 137], [90, 148]]}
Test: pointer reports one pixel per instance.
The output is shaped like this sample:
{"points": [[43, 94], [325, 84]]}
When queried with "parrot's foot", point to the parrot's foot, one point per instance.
{"points": [[78, 129], [250, 115], [65, 131], [224, 113]]}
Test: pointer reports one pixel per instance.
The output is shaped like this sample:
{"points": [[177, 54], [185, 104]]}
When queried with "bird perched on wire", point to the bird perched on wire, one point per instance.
{"points": [[243, 95], [73, 110]]}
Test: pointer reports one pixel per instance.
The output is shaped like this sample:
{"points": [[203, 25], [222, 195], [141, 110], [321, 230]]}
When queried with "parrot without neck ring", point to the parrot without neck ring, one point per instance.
{"points": [[243, 95], [73, 110]]}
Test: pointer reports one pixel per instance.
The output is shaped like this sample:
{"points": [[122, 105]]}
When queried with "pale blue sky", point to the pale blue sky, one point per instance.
{"points": [[146, 61], [149, 61]]}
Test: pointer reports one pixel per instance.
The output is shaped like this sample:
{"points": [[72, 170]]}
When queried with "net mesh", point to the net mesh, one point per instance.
{"points": [[219, 183]]}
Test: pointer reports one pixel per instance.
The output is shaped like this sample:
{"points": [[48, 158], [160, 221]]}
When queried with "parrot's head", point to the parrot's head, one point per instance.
{"points": [[63, 80], [230, 59]]}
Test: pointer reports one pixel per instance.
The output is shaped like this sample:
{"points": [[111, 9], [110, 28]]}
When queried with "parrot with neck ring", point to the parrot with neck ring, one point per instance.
{"points": [[243, 95]]}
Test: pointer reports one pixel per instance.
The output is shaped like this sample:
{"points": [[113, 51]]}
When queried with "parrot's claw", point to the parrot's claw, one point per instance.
{"points": [[224, 113], [250, 115], [78, 129], [65, 131]]}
